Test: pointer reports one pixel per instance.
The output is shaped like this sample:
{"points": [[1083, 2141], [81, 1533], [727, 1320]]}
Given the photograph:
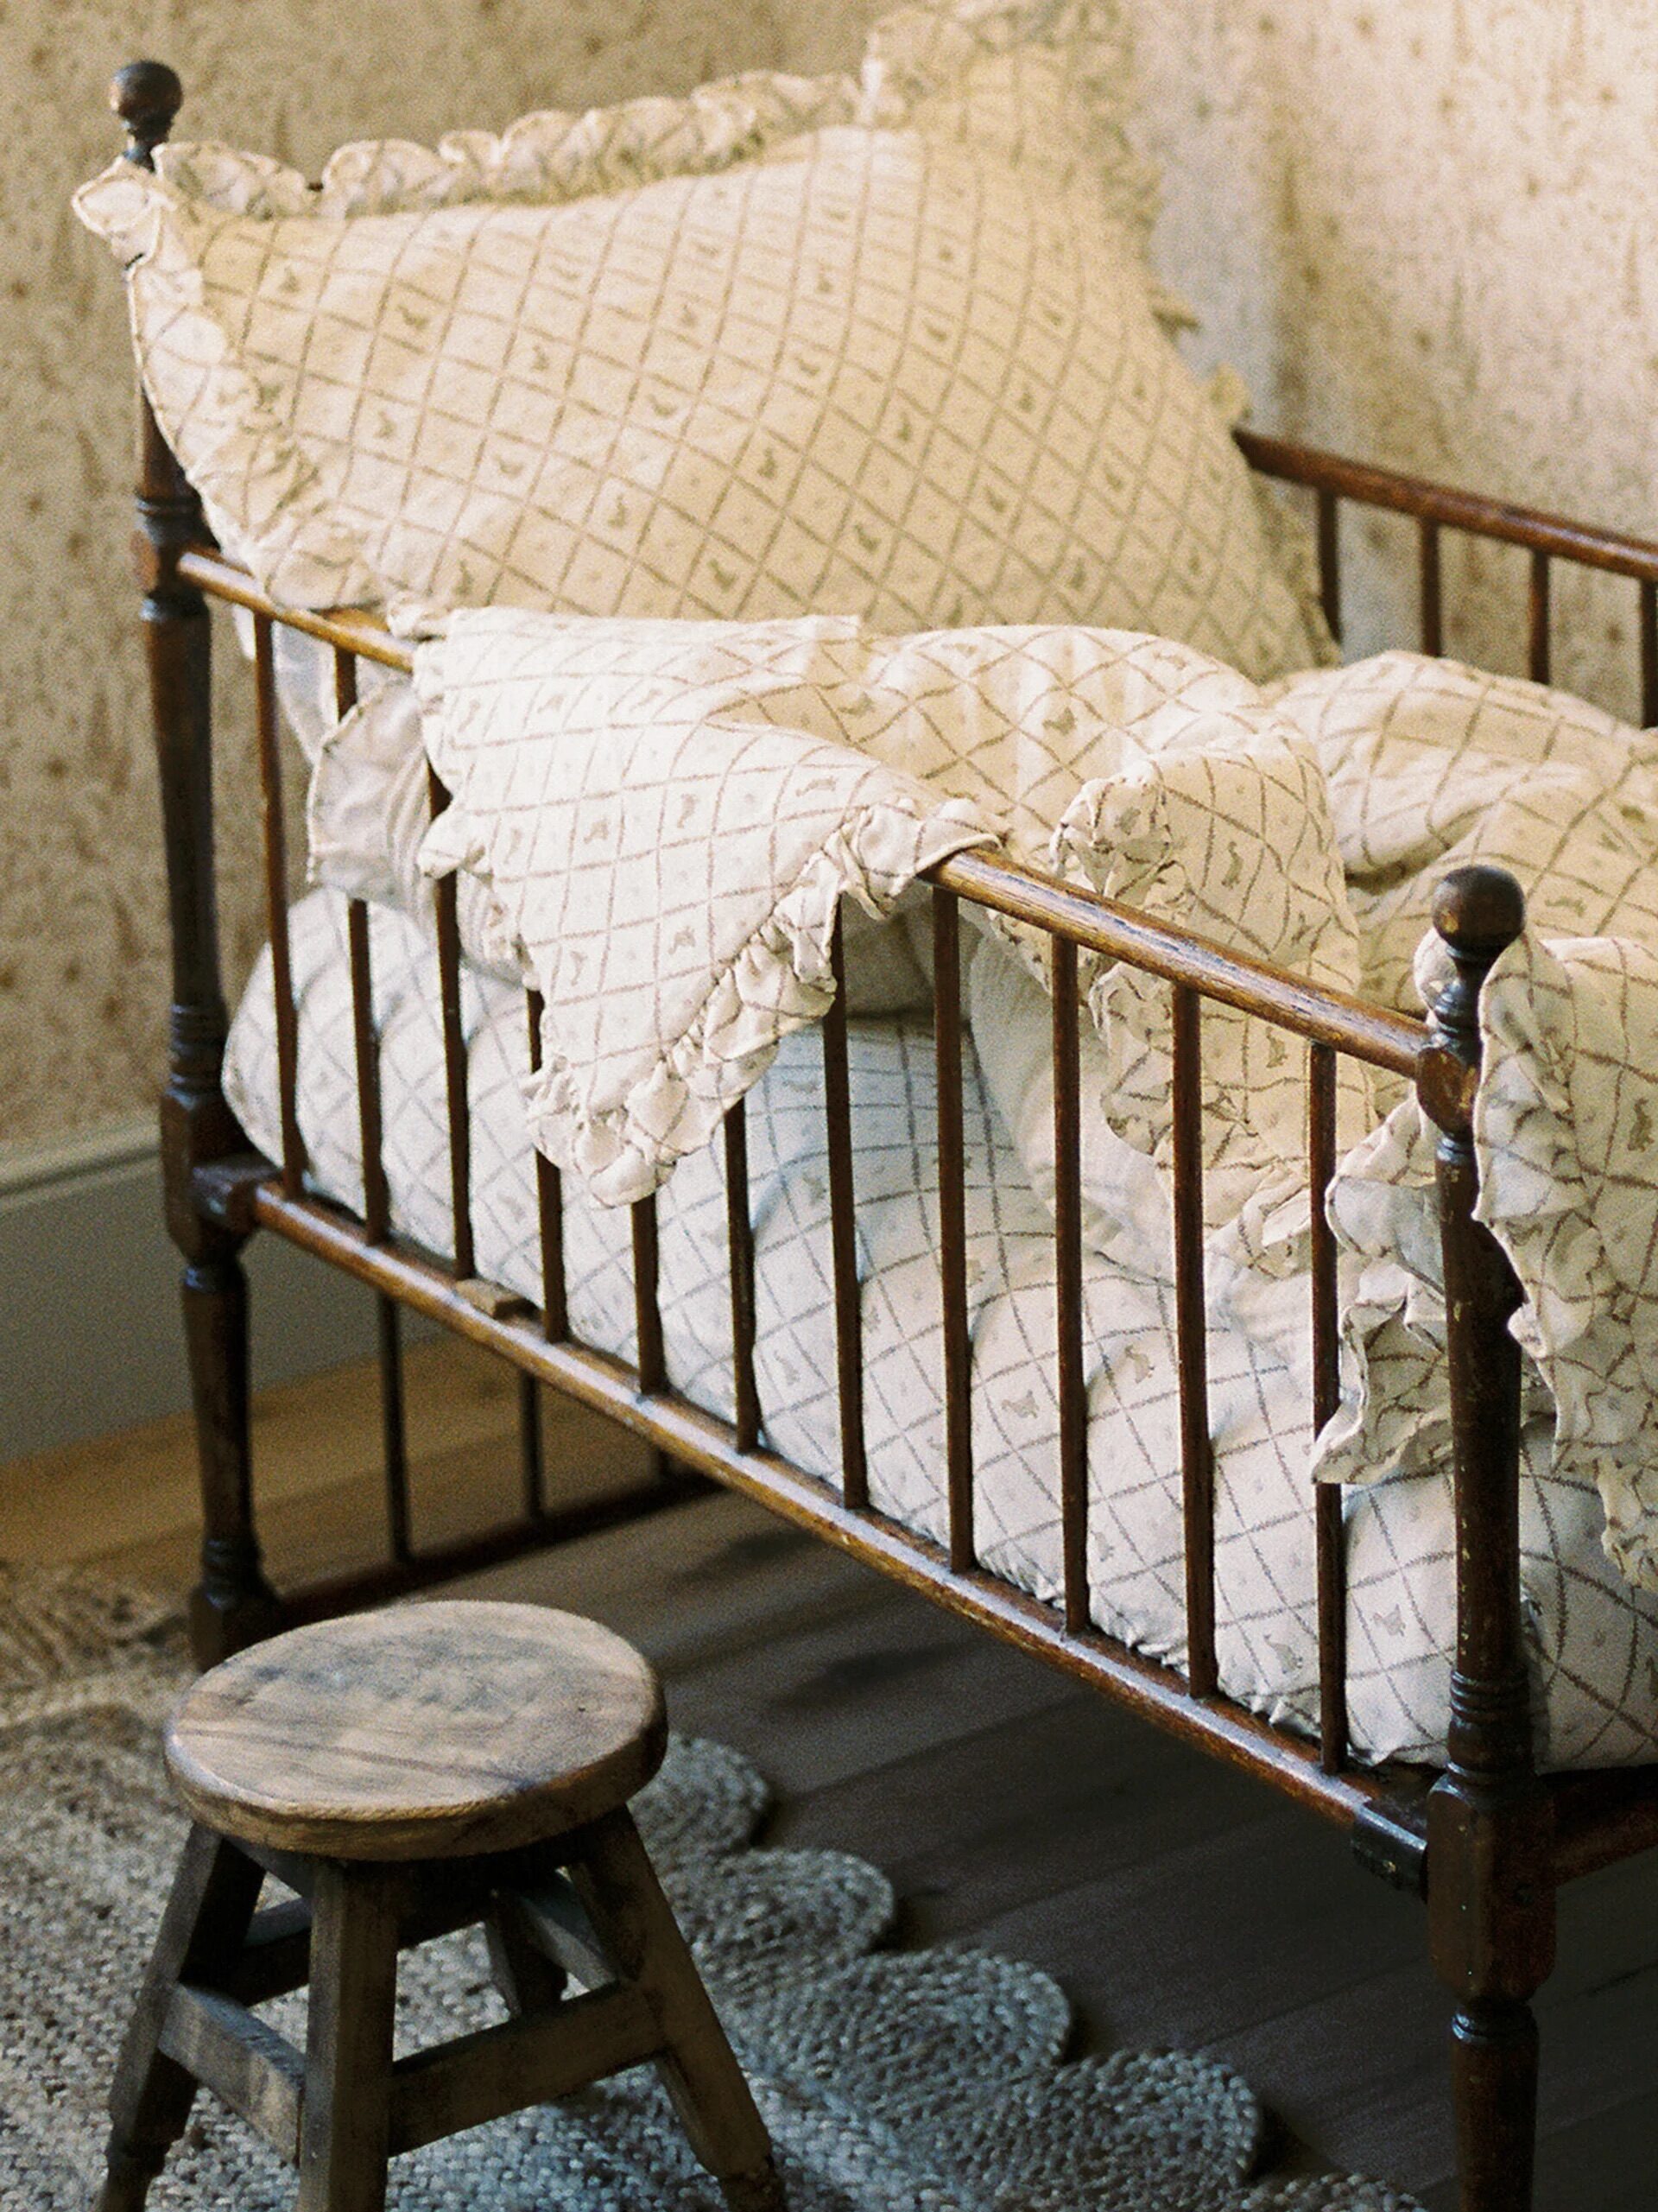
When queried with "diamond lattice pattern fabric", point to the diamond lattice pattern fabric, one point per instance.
{"points": [[885, 347]]}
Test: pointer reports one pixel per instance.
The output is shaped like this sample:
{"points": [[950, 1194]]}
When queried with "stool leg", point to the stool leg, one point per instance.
{"points": [[527, 1980], [617, 1883], [212, 1900], [346, 2112]]}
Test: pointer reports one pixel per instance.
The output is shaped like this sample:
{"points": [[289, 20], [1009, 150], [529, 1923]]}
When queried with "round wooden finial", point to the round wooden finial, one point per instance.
{"points": [[1479, 911], [147, 96]]}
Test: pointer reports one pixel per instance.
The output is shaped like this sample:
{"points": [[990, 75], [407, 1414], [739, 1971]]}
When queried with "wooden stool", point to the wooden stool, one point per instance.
{"points": [[408, 1773]]}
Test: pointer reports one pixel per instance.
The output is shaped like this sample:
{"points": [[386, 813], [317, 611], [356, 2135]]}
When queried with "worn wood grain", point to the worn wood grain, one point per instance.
{"points": [[425, 1732]]}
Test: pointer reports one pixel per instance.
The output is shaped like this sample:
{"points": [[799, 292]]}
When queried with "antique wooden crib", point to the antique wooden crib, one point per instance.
{"points": [[1486, 1839]]}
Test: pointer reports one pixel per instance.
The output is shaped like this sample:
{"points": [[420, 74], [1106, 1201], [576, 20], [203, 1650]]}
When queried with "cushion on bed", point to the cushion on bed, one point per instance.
{"points": [[885, 347], [1138, 766], [1216, 820], [666, 862], [1432, 765], [369, 809]]}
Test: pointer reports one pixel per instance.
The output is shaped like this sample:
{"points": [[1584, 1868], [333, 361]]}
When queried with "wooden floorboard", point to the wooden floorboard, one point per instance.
{"points": [[1177, 1902]]}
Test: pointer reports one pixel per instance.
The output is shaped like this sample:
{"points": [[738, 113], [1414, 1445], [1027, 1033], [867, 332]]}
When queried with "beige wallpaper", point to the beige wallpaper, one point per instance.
{"points": [[1423, 229], [82, 949], [1419, 227]]}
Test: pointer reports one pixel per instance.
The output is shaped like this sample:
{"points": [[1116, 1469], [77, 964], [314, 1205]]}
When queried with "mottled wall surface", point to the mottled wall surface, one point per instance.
{"points": [[82, 928], [1423, 230], [1421, 227]]}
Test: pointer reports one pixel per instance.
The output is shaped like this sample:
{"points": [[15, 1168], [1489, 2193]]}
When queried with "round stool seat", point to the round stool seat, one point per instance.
{"points": [[426, 1732]]}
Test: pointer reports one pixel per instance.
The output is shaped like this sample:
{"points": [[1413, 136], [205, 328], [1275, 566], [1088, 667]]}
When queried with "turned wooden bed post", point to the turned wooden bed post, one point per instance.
{"points": [[1491, 1884], [233, 1604]]}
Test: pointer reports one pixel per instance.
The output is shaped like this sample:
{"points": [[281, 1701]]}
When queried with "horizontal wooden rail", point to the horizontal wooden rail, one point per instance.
{"points": [[1373, 1033], [702, 1442], [345, 628], [1555, 535]]}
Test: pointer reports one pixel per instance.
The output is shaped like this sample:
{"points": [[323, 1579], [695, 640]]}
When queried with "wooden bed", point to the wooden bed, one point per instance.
{"points": [[1487, 1842]]}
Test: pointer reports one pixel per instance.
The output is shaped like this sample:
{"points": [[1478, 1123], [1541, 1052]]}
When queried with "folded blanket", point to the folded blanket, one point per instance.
{"points": [[579, 753], [665, 869], [655, 822]]}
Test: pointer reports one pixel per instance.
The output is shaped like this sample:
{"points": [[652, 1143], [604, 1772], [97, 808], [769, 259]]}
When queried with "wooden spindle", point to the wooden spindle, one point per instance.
{"points": [[739, 1238], [1648, 654], [1540, 649], [1067, 1251], [1197, 1456], [445, 894], [1329, 560], [394, 1432], [376, 1199], [377, 1227], [344, 681], [549, 1206], [1491, 1884], [843, 1233], [647, 1309], [1331, 1540], [282, 964], [1432, 590], [532, 1458], [952, 1231]]}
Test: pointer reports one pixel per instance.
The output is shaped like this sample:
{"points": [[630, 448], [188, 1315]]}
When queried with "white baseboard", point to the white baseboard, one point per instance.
{"points": [[90, 1333]]}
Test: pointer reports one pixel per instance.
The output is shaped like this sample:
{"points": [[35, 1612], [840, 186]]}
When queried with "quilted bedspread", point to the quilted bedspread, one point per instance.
{"points": [[666, 817]]}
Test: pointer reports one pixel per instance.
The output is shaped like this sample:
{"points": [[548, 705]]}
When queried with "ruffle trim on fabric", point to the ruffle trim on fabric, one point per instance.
{"points": [[915, 54], [223, 430], [780, 980]]}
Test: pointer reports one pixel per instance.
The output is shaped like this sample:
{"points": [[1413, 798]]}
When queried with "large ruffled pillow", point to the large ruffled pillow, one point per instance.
{"points": [[883, 346]]}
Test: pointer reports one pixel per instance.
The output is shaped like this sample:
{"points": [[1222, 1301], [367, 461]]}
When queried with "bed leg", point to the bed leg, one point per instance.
{"points": [[1494, 2084], [1491, 1876], [232, 1605], [1492, 1928]]}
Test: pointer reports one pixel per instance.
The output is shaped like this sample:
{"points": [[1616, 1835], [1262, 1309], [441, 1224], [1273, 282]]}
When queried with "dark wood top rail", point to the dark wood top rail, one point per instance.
{"points": [[1375, 1034], [342, 627], [1554, 535]]}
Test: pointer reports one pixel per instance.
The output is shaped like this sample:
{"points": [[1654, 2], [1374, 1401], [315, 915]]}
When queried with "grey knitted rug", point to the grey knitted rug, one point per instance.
{"points": [[891, 2081]]}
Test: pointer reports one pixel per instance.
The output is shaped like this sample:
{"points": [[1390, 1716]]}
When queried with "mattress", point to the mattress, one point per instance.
{"points": [[1593, 1639]]}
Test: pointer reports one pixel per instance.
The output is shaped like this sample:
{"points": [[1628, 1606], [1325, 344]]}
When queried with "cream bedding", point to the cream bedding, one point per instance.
{"points": [[1594, 1639]]}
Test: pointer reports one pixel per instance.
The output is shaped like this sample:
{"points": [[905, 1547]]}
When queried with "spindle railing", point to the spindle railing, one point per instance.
{"points": [[1074, 921]]}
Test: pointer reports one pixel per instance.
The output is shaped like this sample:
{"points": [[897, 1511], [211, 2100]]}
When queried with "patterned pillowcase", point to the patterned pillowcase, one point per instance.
{"points": [[1132, 764], [1219, 824], [884, 347], [1432, 765]]}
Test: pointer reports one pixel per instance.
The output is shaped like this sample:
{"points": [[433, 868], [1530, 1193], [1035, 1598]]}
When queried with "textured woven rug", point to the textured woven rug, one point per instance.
{"points": [[930, 2080]]}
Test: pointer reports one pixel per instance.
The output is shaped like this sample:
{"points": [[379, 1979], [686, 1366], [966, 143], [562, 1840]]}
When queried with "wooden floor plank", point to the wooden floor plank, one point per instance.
{"points": [[976, 1827], [1177, 1902]]}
